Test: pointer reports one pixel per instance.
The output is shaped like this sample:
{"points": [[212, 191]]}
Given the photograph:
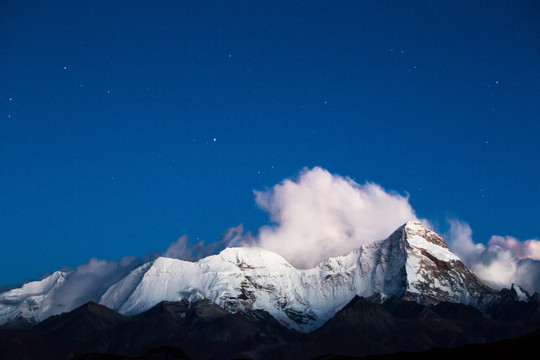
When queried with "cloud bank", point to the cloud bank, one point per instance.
{"points": [[502, 262], [318, 215]]}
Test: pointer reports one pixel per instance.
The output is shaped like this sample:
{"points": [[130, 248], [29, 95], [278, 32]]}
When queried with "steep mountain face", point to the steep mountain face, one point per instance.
{"points": [[434, 273], [413, 263]]}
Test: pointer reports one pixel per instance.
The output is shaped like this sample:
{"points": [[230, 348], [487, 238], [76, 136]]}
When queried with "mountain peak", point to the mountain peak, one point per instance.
{"points": [[35, 299], [414, 224], [252, 258], [519, 293], [430, 272], [416, 228]]}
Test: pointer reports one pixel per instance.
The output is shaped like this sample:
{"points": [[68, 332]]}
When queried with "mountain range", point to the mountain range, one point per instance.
{"points": [[408, 292]]}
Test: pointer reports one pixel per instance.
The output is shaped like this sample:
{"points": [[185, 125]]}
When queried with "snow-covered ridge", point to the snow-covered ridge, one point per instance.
{"points": [[32, 301], [413, 263]]}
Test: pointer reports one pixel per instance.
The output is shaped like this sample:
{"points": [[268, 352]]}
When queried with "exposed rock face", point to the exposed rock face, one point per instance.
{"points": [[413, 263], [434, 273]]}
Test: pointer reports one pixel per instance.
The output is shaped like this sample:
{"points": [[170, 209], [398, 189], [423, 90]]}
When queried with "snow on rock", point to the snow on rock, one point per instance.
{"points": [[33, 301], [521, 295], [413, 263], [434, 273]]}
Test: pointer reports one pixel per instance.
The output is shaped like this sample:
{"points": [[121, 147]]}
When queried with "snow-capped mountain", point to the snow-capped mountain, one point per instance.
{"points": [[413, 263], [33, 301]]}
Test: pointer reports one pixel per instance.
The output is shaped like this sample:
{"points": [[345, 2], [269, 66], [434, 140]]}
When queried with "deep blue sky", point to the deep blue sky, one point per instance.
{"points": [[109, 111]]}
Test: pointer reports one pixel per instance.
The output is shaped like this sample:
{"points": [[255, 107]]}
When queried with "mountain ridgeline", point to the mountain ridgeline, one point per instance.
{"points": [[413, 263], [408, 292]]}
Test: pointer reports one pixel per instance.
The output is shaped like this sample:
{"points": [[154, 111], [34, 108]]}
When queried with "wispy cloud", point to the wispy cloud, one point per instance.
{"points": [[89, 281], [500, 263], [182, 249], [528, 249]]}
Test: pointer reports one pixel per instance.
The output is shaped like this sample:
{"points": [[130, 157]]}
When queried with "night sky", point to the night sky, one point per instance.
{"points": [[126, 124]]}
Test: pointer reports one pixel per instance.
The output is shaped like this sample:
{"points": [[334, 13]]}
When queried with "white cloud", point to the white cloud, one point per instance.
{"points": [[528, 249], [504, 261], [319, 215], [460, 241], [179, 249]]}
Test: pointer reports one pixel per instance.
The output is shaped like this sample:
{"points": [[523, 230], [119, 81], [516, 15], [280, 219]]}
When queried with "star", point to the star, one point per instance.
{"points": [[65, 67], [215, 139], [10, 99]]}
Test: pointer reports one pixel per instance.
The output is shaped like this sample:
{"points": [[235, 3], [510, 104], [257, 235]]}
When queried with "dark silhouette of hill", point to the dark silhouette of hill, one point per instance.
{"points": [[524, 345], [203, 330]]}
